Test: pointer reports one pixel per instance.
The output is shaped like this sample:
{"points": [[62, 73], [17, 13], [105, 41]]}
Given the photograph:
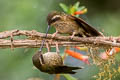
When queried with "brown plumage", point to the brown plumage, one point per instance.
{"points": [[52, 63], [68, 24]]}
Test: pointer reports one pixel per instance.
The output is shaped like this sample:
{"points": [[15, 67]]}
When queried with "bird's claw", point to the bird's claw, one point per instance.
{"points": [[71, 37], [57, 47], [47, 46]]}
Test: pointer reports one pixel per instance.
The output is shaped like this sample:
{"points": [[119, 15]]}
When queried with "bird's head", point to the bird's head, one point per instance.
{"points": [[53, 17]]}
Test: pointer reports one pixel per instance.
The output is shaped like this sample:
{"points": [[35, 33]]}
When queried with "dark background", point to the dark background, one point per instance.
{"points": [[31, 15]]}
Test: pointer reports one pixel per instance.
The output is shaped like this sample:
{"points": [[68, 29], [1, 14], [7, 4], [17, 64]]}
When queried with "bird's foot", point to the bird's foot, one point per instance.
{"points": [[53, 35], [71, 37], [47, 46], [57, 47]]}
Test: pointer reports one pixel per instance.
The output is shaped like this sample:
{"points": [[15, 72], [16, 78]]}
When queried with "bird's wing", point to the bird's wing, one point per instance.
{"points": [[66, 69], [89, 29]]}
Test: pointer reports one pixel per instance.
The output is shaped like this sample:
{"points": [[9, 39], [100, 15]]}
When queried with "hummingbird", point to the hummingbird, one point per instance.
{"points": [[51, 63], [68, 24]]}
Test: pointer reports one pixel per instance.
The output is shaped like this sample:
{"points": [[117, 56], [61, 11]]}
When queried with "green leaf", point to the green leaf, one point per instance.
{"points": [[64, 7], [81, 8], [69, 77], [76, 5], [72, 10]]}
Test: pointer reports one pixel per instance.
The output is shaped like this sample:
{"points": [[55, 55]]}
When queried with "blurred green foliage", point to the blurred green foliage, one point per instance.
{"points": [[68, 77], [72, 9], [31, 14]]}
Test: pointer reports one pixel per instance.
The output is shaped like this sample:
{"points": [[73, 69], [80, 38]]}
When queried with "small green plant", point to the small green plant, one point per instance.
{"points": [[74, 10]]}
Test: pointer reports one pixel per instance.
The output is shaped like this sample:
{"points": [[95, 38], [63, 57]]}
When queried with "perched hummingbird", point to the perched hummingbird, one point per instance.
{"points": [[68, 24], [52, 63]]}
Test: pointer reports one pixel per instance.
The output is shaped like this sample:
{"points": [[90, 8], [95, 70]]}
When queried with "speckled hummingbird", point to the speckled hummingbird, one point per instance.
{"points": [[68, 24], [52, 63]]}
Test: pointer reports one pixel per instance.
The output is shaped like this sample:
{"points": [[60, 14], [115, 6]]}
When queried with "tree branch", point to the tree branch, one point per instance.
{"points": [[33, 40]]}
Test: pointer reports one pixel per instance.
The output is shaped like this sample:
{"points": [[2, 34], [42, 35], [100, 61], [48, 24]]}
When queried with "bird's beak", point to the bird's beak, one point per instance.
{"points": [[45, 37], [47, 31]]}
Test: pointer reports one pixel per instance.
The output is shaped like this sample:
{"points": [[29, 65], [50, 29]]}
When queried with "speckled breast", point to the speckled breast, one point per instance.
{"points": [[66, 27]]}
